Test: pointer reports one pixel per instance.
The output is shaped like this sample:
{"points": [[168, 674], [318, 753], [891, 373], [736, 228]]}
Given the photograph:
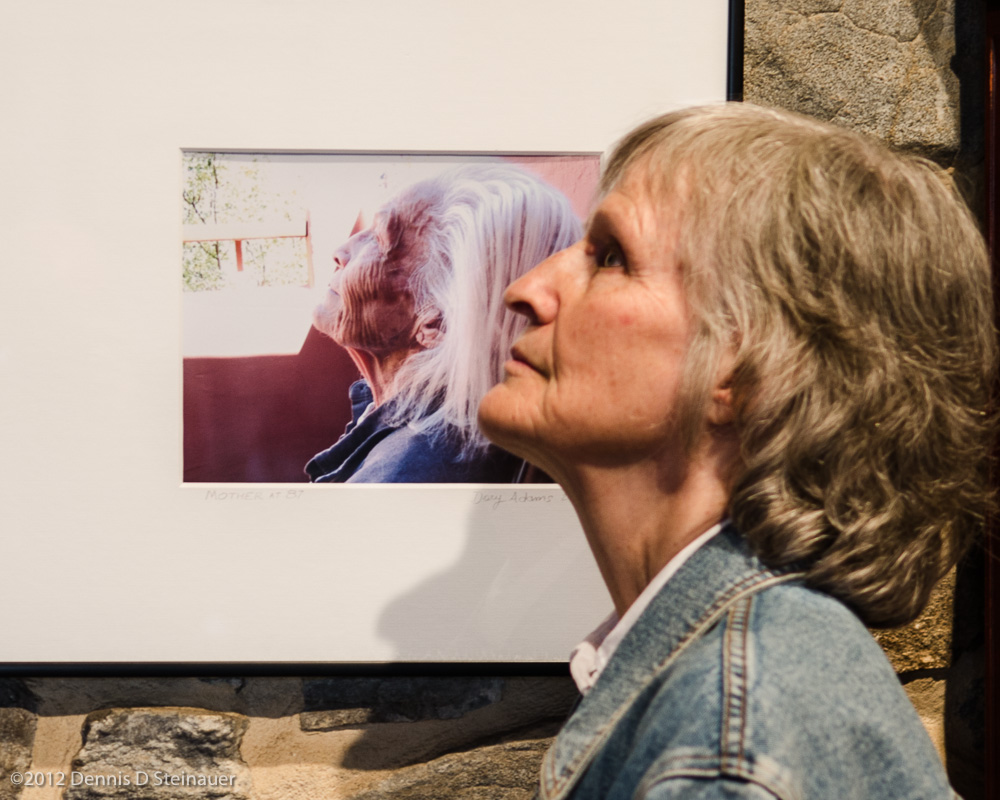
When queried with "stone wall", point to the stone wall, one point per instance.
{"points": [[881, 67], [886, 67], [278, 738]]}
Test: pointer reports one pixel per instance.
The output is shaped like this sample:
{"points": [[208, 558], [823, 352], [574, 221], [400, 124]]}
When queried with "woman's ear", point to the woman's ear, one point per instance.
{"points": [[428, 331], [359, 224], [720, 402], [720, 406]]}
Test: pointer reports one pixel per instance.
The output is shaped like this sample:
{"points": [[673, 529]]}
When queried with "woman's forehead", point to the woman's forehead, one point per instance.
{"points": [[653, 180], [641, 201], [403, 218]]}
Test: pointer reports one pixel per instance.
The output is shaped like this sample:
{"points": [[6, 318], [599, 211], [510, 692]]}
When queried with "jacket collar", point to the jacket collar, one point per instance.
{"points": [[718, 574]]}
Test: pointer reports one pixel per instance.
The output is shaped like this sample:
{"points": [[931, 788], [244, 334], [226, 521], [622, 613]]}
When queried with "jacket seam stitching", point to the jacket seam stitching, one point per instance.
{"points": [[734, 664]]}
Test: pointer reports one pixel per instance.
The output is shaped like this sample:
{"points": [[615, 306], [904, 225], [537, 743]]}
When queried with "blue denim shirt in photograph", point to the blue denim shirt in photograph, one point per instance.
{"points": [[741, 682], [373, 451]]}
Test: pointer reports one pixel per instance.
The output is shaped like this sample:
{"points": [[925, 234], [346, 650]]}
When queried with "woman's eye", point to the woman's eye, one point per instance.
{"points": [[611, 257]]}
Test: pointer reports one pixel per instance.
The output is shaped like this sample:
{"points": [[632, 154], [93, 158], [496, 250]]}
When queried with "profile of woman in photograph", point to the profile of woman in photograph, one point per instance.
{"points": [[417, 301], [762, 379]]}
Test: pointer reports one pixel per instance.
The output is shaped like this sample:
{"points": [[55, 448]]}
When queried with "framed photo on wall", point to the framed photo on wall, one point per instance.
{"points": [[273, 242], [158, 412]]}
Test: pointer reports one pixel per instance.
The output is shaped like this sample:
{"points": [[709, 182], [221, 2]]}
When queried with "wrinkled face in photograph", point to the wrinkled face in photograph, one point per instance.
{"points": [[369, 303]]}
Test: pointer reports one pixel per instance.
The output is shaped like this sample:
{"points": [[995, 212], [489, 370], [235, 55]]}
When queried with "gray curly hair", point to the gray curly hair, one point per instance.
{"points": [[853, 288]]}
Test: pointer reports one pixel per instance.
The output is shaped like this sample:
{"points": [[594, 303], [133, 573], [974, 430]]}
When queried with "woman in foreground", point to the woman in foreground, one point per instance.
{"points": [[762, 379]]}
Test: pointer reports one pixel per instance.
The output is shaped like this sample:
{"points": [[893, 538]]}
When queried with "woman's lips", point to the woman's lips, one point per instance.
{"points": [[517, 356]]}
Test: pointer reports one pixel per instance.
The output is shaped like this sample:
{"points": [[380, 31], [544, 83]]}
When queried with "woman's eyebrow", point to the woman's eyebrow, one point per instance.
{"points": [[600, 222]]}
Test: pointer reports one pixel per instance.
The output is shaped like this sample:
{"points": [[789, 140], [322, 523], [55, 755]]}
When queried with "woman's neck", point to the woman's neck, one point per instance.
{"points": [[638, 517], [380, 370]]}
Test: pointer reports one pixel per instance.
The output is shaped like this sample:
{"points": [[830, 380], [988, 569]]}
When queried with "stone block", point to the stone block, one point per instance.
{"points": [[815, 6], [901, 20], [17, 738], [15, 693], [333, 703], [267, 697], [927, 696], [924, 644], [161, 754], [505, 771], [528, 704], [879, 67]]}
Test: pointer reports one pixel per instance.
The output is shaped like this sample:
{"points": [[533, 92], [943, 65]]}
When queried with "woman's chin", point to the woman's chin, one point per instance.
{"points": [[325, 320], [505, 420]]}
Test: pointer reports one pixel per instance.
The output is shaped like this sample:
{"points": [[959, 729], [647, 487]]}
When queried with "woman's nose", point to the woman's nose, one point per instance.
{"points": [[534, 295], [345, 252]]}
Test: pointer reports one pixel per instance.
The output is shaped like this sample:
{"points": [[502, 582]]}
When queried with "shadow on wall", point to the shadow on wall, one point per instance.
{"points": [[524, 589], [525, 575]]}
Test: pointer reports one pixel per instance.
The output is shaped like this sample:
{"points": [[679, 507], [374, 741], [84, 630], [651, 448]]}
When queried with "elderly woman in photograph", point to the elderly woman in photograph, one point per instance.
{"points": [[761, 379], [417, 301]]}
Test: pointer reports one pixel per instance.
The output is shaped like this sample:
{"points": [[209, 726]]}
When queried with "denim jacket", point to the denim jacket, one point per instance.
{"points": [[740, 682]]}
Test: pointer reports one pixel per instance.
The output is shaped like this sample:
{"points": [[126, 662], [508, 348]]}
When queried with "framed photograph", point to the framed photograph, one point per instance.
{"points": [[154, 426], [272, 242]]}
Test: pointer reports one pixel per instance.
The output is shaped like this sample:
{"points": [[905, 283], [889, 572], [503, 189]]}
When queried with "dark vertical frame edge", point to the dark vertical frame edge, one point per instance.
{"points": [[992, 542], [734, 67]]}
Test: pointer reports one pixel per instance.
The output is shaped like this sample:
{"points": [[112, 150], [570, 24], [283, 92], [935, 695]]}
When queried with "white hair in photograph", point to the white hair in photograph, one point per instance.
{"points": [[491, 224]]}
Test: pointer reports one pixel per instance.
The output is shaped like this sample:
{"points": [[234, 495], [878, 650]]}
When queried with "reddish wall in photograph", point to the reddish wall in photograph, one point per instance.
{"points": [[261, 418]]}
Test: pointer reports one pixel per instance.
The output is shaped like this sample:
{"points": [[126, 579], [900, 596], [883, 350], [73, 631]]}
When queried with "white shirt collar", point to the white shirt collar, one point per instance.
{"points": [[591, 656]]}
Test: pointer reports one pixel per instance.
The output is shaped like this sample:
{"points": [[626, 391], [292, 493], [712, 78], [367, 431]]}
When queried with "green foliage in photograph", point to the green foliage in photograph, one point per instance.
{"points": [[221, 191], [203, 261]]}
